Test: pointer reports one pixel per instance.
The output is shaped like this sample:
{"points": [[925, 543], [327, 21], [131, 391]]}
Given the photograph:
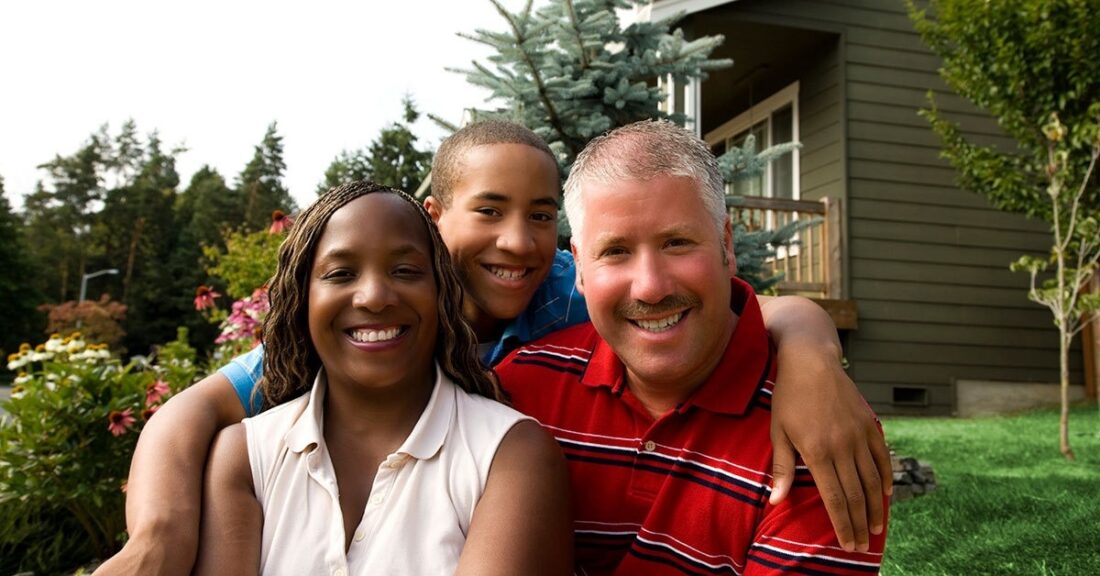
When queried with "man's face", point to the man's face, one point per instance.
{"points": [[501, 230], [650, 265]]}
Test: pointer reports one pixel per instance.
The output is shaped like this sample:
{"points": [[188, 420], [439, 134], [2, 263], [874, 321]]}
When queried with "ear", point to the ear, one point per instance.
{"points": [[727, 246], [577, 267], [434, 207]]}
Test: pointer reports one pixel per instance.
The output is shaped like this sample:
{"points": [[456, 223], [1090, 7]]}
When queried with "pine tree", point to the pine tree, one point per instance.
{"points": [[20, 320], [260, 184], [392, 159], [570, 71]]}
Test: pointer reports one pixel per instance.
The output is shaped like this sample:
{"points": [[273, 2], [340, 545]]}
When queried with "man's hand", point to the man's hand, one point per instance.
{"points": [[818, 413]]}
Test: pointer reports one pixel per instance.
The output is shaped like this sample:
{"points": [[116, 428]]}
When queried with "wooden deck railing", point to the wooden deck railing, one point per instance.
{"points": [[811, 266]]}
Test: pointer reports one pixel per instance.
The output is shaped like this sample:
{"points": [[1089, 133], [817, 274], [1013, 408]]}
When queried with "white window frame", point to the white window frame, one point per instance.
{"points": [[683, 98], [747, 119]]}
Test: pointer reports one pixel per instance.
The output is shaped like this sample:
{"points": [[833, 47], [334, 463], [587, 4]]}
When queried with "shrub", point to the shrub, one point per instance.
{"points": [[65, 447]]}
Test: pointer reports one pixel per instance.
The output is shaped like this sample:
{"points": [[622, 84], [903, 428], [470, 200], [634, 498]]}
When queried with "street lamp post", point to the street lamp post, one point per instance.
{"points": [[84, 286]]}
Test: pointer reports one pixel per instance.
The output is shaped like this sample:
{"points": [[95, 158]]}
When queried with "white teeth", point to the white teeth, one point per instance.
{"points": [[661, 324], [507, 274], [375, 335]]}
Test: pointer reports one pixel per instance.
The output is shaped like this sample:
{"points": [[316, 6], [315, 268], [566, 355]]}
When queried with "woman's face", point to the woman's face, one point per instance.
{"points": [[373, 315]]}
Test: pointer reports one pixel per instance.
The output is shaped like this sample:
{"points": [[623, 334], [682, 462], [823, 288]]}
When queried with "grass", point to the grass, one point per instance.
{"points": [[1007, 502]]}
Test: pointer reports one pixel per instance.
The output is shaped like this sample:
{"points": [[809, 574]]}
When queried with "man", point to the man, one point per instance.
{"points": [[495, 197], [662, 404]]}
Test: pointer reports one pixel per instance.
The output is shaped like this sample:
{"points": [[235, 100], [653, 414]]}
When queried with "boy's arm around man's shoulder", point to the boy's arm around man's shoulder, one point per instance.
{"points": [[164, 490]]}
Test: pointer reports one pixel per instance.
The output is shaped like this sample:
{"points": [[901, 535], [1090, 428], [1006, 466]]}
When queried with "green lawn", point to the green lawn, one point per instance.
{"points": [[1007, 502]]}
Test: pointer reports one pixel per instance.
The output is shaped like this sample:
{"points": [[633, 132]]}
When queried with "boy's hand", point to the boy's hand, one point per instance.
{"points": [[818, 413]]}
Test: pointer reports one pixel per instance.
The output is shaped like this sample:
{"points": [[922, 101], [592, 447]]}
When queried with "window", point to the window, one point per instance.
{"points": [[773, 121]]}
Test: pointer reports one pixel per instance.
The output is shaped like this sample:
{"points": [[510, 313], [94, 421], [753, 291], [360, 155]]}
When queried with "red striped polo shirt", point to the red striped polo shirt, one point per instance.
{"points": [[686, 493]]}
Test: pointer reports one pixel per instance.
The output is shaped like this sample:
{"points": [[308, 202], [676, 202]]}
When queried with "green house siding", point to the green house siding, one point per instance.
{"points": [[926, 263]]}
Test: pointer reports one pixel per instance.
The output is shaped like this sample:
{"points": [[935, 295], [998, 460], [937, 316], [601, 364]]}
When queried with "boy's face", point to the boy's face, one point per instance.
{"points": [[501, 230]]}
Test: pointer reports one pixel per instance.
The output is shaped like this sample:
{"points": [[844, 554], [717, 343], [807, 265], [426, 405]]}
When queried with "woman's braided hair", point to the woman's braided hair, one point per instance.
{"points": [[290, 361]]}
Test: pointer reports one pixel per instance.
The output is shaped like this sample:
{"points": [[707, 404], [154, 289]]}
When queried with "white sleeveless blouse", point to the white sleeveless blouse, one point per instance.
{"points": [[421, 502]]}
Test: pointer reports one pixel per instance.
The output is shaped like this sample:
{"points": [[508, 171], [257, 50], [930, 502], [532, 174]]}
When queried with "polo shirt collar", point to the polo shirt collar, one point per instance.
{"points": [[425, 440], [730, 389]]}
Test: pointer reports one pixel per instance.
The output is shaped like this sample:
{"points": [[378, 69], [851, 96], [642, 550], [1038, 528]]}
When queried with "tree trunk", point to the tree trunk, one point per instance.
{"points": [[1063, 424], [135, 237]]}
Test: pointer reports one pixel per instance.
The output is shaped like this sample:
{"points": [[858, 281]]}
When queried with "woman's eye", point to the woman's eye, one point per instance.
{"points": [[339, 274], [408, 271]]}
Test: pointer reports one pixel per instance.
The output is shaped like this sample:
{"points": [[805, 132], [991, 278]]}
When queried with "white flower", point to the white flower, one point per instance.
{"points": [[23, 378], [40, 356], [19, 362], [75, 345], [55, 344]]}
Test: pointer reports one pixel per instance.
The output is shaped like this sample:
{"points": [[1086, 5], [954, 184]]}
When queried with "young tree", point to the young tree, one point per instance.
{"points": [[570, 71], [1031, 64], [260, 184], [392, 159]]}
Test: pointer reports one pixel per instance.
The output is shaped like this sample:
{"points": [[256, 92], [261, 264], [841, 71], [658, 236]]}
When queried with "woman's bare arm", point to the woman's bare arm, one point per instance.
{"points": [[232, 519], [818, 412], [522, 523]]}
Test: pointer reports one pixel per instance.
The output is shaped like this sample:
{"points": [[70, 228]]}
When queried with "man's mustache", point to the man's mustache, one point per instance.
{"points": [[668, 304]]}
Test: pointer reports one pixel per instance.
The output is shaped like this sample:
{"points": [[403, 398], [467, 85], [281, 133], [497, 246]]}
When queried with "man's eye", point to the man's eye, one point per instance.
{"points": [[487, 211], [613, 251], [543, 217], [678, 243]]}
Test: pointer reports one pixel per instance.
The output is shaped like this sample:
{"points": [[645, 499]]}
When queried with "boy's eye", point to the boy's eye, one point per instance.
{"points": [[543, 217]]}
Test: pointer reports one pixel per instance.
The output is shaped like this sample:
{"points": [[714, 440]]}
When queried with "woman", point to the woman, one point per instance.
{"points": [[387, 453]]}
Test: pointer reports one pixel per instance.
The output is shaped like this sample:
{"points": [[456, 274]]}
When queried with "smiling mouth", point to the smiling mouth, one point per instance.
{"points": [[658, 325], [372, 336], [510, 274]]}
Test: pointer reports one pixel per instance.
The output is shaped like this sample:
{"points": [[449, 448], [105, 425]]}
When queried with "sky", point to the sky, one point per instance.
{"points": [[212, 75]]}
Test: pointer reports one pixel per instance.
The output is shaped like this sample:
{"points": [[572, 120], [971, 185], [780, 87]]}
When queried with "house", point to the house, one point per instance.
{"points": [[914, 269]]}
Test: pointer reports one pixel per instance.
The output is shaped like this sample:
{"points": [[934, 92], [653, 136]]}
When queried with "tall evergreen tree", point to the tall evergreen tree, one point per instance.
{"points": [[570, 71], [260, 184], [204, 210], [61, 215], [392, 159], [19, 322]]}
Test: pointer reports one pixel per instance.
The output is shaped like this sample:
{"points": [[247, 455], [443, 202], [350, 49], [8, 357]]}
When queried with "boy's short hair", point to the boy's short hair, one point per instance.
{"points": [[447, 164]]}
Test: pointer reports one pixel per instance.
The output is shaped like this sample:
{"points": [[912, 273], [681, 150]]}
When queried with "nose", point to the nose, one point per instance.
{"points": [[516, 236], [373, 293], [650, 280]]}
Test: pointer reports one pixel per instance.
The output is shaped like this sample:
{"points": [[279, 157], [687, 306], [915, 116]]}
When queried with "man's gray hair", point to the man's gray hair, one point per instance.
{"points": [[642, 151]]}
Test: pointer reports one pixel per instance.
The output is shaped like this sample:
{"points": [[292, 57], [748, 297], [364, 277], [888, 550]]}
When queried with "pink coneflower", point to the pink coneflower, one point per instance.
{"points": [[279, 222], [120, 422], [204, 297], [148, 412], [155, 391]]}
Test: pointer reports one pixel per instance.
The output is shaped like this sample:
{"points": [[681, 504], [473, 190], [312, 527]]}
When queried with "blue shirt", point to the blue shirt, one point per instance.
{"points": [[555, 305]]}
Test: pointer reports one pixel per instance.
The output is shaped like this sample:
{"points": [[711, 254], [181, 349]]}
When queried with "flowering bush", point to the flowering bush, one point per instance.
{"points": [[240, 331], [98, 320], [65, 446]]}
